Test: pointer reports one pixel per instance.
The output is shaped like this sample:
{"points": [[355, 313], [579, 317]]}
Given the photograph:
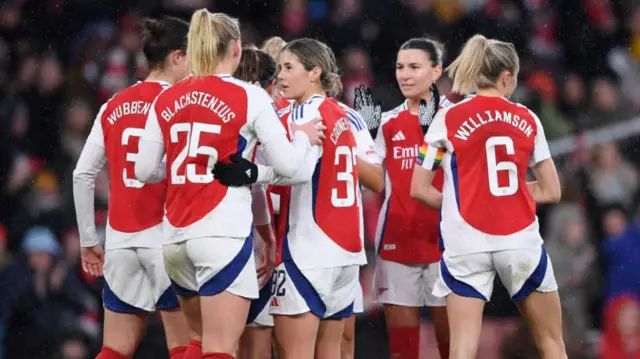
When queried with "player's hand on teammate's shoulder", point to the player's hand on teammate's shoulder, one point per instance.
{"points": [[314, 129], [369, 110], [240, 172], [92, 259]]}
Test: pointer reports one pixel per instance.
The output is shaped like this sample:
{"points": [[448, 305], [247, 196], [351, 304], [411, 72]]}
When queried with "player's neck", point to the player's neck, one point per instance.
{"points": [[159, 76], [308, 95], [414, 103], [489, 92]]}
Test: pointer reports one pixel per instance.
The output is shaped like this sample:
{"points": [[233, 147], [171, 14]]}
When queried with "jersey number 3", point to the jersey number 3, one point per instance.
{"points": [[346, 176], [493, 166]]}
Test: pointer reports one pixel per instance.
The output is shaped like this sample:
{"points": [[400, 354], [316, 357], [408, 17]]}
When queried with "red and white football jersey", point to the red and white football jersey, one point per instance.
{"points": [[407, 231], [324, 227], [135, 208], [485, 146], [203, 120]]}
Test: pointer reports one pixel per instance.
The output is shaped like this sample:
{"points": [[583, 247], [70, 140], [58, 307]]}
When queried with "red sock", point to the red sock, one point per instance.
{"points": [[404, 343], [443, 348], [177, 353], [217, 356], [108, 353], [194, 350]]}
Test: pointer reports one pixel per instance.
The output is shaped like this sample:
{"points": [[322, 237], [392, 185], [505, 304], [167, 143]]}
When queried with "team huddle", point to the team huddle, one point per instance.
{"points": [[235, 206]]}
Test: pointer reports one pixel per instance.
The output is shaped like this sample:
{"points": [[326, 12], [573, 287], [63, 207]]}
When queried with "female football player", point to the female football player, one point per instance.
{"points": [[135, 278], [407, 233], [208, 118], [486, 144]]}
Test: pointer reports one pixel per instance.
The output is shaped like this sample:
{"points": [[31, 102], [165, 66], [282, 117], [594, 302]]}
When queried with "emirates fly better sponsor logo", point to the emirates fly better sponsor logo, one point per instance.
{"points": [[406, 154]]}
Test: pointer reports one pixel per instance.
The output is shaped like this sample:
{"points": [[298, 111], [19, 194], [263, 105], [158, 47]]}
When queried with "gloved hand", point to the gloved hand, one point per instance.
{"points": [[370, 112], [240, 172], [426, 113]]}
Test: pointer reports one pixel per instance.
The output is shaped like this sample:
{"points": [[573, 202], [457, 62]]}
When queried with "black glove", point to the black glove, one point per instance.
{"points": [[370, 112], [240, 172]]}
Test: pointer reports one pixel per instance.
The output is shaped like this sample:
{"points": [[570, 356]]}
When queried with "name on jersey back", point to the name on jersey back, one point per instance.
{"points": [[129, 108], [203, 99], [471, 124], [341, 125]]}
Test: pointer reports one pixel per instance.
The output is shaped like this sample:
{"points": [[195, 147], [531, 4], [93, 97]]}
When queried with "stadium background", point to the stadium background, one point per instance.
{"points": [[580, 60]]}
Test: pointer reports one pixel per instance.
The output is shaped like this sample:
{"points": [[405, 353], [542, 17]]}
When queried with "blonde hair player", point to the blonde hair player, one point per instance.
{"points": [[208, 118], [486, 144], [135, 278], [407, 238]]}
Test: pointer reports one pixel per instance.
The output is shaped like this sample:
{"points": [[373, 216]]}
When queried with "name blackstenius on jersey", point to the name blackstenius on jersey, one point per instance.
{"points": [[203, 99], [470, 125]]}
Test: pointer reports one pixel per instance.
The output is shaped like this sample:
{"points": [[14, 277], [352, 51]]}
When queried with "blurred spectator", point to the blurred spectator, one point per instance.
{"points": [[621, 338], [611, 178], [40, 297], [567, 237], [621, 251]]}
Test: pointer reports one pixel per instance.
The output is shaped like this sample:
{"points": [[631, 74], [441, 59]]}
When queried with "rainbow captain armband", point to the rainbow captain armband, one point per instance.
{"points": [[429, 157]]}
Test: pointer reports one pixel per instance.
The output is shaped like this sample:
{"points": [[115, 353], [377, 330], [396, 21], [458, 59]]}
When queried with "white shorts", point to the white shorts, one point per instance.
{"points": [[210, 265], [521, 271], [358, 303], [259, 310], [136, 281], [408, 285], [328, 293]]}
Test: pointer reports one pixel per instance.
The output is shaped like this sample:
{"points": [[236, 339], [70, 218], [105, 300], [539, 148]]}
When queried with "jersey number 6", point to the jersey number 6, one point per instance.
{"points": [[192, 150], [493, 167], [346, 176]]}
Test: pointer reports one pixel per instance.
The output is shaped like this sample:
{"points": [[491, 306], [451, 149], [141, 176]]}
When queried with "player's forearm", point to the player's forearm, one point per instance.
{"points": [[160, 173], [266, 233], [286, 157], [427, 195], [259, 207], [542, 195], [371, 175], [91, 160], [149, 162], [302, 174]]}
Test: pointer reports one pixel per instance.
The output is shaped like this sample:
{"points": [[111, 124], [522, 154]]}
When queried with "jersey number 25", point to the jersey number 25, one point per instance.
{"points": [[193, 149]]}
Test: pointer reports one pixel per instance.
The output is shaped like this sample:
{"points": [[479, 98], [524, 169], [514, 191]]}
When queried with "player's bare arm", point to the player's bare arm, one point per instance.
{"points": [[370, 175], [546, 188], [422, 190]]}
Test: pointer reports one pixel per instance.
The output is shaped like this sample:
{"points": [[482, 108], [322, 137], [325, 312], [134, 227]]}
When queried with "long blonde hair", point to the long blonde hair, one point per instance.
{"points": [[210, 35], [480, 64]]}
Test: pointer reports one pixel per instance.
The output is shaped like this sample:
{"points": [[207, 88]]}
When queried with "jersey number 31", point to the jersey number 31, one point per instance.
{"points": [[493, 166]]}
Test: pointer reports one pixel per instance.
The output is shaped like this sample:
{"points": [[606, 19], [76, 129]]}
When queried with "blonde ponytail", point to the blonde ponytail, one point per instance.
{"points": [[467, 68], [208, 39], [480, 64], [273, 46]]}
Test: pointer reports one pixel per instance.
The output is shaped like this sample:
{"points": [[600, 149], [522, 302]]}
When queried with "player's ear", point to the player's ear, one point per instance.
{"points": [[436, 73], [314, 74], [505, 79]]}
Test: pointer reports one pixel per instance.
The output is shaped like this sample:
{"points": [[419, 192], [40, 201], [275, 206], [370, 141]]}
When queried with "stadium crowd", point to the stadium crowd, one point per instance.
{"points": [[580, 71]]}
